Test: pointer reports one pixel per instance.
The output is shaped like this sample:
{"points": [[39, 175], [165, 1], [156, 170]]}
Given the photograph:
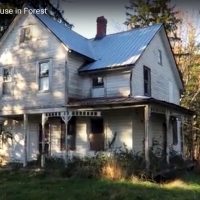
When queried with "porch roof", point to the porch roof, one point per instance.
{"points": [[114, 102]]}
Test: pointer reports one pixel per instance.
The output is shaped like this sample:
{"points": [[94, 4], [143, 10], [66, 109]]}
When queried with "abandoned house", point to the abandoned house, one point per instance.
{"points": [[62, 94]]}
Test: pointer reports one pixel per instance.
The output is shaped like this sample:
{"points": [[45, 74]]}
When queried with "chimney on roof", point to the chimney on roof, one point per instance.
{"points": [[101, 27]]}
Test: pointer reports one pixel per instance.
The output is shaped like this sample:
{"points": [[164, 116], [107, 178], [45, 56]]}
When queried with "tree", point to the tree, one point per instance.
{"points": [[54, 12], [147, 12]]}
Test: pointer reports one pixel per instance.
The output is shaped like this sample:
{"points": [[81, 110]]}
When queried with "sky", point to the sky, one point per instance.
{"points": [[83, 13]]}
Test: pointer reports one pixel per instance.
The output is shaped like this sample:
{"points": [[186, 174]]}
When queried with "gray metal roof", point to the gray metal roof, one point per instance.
{"points": [[71, 39], [121, 49]]}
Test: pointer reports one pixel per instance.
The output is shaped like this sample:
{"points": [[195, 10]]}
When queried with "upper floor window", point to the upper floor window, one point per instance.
{"points": [[7, 81], [25, 34], [44, 75], [147, 81], [159, 57], [98, 82]]}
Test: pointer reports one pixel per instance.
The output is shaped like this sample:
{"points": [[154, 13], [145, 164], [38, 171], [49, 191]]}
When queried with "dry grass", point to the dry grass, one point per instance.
{"points": [[113, 171], [178, 183]]}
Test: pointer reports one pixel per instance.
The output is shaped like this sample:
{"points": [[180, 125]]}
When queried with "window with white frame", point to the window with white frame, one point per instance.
{"points": [[159, 57], [98, 82], [44, 81], [7, 81]]}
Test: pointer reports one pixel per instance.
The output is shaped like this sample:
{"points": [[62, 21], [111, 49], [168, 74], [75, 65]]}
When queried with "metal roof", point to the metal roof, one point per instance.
{"points": [[71, 39], [97, 103], [121, 49]]}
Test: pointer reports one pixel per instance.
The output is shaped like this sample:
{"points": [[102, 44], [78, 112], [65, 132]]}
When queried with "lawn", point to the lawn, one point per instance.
{"points": [[29, 186]]}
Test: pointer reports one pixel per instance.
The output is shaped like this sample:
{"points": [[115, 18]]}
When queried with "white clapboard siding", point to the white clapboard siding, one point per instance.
{"points": [[138, 129], [82, 143], [23, 58], [160, 74], [55, 131], [33, 138], [118, 84], [121, 123]]}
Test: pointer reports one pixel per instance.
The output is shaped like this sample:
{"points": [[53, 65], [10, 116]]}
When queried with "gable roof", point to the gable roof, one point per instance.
{"points": [[121, 49], [68, 37], [72, 40]]}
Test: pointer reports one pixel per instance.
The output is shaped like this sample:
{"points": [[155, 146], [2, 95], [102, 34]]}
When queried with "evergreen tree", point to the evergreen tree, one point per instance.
{"points": [[53, 12], [148, 12]]}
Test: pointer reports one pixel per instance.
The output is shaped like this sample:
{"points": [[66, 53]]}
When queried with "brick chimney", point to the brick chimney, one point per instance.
{"points": [[101, 27]]}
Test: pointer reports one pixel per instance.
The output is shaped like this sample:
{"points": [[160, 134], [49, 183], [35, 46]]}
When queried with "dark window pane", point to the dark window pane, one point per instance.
{"points": [[146, 74], [97, 126], [6, 75], [147, 81], [145, 88], [7, 88], [98, 81]]}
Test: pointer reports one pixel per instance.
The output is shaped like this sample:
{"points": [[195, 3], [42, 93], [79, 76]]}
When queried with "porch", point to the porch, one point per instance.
{"points": [[85, 129]]}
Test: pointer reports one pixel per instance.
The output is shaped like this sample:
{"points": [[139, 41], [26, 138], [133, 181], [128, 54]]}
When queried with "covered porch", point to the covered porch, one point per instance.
{"points": [[143, 125]]}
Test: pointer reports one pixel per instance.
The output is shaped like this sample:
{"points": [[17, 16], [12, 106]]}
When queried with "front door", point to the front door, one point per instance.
{"points": [[47, 139]]}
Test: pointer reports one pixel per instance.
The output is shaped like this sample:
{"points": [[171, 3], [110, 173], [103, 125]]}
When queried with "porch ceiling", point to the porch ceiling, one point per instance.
{"points": [[98, 103]]}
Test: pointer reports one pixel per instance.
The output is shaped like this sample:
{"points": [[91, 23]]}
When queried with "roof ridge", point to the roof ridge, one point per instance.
{"points": [[130, 30], [55, 21]]}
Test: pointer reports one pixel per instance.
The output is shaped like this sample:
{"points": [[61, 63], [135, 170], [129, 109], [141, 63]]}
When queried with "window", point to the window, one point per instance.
{"points": [[25, 34], [98, 82], [147, 81], [44, 75], [97, 135], [159, 57], [71, 132], [7, 81], [175, 131]]}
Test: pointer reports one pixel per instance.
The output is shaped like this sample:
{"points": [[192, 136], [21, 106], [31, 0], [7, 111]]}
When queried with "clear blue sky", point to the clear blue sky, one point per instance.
{"points": [[83, 13]]}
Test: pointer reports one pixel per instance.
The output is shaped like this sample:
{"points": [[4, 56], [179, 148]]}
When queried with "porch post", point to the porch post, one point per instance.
{"points": [[146, 135], [44, 119], [25, 140], [167, 115], [66, 137], [192, 135]]}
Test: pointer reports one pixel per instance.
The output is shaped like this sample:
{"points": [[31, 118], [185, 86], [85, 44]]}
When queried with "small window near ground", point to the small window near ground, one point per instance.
{"points": [[7, 81], [44, 75], [175, 130], [25, 34], [147, 81], [97, 135], [159, 57], [98, 82]]}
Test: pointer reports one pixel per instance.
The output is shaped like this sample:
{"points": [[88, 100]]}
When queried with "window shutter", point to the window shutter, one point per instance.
{"points": [[21, 37]]}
